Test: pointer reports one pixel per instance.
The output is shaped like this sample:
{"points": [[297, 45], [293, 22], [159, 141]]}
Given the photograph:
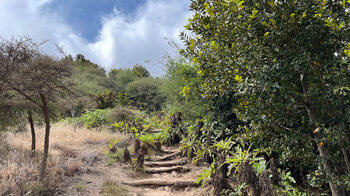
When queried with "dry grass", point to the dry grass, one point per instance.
{"points": [[63, 137], [19, 172]]}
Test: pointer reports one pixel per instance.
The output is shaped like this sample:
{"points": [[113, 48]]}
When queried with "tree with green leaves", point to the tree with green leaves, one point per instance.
{"points": [[145, 94], [37, 79], [180, 88], [288, 62], [120, 78], [140, 71]]}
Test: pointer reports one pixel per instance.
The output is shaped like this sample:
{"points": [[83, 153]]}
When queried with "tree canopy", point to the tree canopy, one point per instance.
{"points": [[287, 63]]}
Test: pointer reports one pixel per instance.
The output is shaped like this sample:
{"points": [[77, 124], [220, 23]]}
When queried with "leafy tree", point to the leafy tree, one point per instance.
{"points": [[119, 79], [37, 79], [140, 71], [183, 91], [180, 88], [145, 94], [11, 114], [89, 77], [105, 99], [13, 53], [90, 82], [288, 61]]}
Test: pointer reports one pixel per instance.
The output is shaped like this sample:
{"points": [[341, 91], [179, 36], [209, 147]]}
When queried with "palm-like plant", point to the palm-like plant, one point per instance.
{"points": [[190, 146]]}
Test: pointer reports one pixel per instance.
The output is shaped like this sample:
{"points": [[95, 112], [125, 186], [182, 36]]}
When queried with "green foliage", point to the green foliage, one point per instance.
{"points": [[80, 187], [119, 114], [120, 126], [140, 71], [145, 94], [94, 119], [152, 138], [105, 99], [112, 143], [180, 75], [287, 183], [88, 77], [119, 79], [259, 166], [238, 190], [115, 156], [224, 146], [111, 188], [285, 62], [206, 175], [239, 157], [204, 153], [123, 99], [190, 145], [37, 188], [147, 138]]}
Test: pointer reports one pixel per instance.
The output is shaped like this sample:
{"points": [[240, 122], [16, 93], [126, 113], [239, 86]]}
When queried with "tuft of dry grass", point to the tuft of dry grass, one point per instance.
{"points": [[19, 171], [111, 188], [19, 174]]}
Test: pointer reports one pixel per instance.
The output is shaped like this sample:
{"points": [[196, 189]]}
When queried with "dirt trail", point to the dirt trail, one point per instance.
{"points": [[92, 178]]}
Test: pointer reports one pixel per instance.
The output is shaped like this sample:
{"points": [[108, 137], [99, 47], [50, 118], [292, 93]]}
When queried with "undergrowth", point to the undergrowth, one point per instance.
{"points": [[111, 188]]}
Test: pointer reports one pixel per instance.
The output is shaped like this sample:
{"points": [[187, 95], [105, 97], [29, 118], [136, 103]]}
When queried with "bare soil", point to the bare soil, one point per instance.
{"points": [[91, 179]]}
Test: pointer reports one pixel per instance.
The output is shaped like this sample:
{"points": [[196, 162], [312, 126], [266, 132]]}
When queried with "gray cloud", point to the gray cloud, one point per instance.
{"points": [[123, 40]]}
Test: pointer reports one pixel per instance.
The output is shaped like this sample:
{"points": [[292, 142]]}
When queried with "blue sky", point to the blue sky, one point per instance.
{"points": [[86, 15], [112, 33]]}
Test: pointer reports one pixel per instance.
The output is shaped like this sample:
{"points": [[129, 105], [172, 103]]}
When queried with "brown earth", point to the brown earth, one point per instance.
{"points": [[81, 155]]}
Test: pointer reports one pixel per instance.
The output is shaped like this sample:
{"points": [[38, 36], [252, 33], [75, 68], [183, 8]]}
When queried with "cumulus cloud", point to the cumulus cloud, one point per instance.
{"points": [[19, 18], [124, 39]]}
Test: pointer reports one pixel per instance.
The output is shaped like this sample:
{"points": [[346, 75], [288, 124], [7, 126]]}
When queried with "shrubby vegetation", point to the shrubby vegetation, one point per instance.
{"points": [[258, 95]]}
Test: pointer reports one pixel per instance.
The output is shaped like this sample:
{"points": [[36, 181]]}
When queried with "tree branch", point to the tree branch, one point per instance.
{"points": [[26, 96]]}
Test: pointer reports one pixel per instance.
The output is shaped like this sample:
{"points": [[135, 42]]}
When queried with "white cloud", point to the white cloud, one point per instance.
{"points": [[20, 17], [126, 40], [123, 40]]}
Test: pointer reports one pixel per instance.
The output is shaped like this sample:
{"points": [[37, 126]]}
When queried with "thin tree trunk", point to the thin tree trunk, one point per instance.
{"points": [[345, 127], [32, 130], [47, 136], [73, 116], [345, 153], [324, 154]]}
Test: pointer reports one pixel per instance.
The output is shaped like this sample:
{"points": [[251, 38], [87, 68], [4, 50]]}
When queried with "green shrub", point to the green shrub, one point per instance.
{"points": [[93, 119], [119, 114], [147, 138], [110, 188], [105, 99], [37, 188], [115, 156], [120, 126], [112, 143], [145, 94]]}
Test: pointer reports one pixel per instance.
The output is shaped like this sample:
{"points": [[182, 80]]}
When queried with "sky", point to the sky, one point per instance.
{"points": [[111, 33]]}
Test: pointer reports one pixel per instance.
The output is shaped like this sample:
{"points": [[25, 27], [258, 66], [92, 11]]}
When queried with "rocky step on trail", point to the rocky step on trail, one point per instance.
{"points": [[166, 169], [167, 174], [158, 182], [165, 164]]}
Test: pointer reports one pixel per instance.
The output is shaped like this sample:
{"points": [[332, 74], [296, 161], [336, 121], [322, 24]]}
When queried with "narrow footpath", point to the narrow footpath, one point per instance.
{"points": [[166, 174]]}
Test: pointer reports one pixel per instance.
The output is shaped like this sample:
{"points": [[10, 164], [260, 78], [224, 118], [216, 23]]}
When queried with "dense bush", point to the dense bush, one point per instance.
{"points": [[93, 119], [105, 99], [119, 114], [145, 94]]}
